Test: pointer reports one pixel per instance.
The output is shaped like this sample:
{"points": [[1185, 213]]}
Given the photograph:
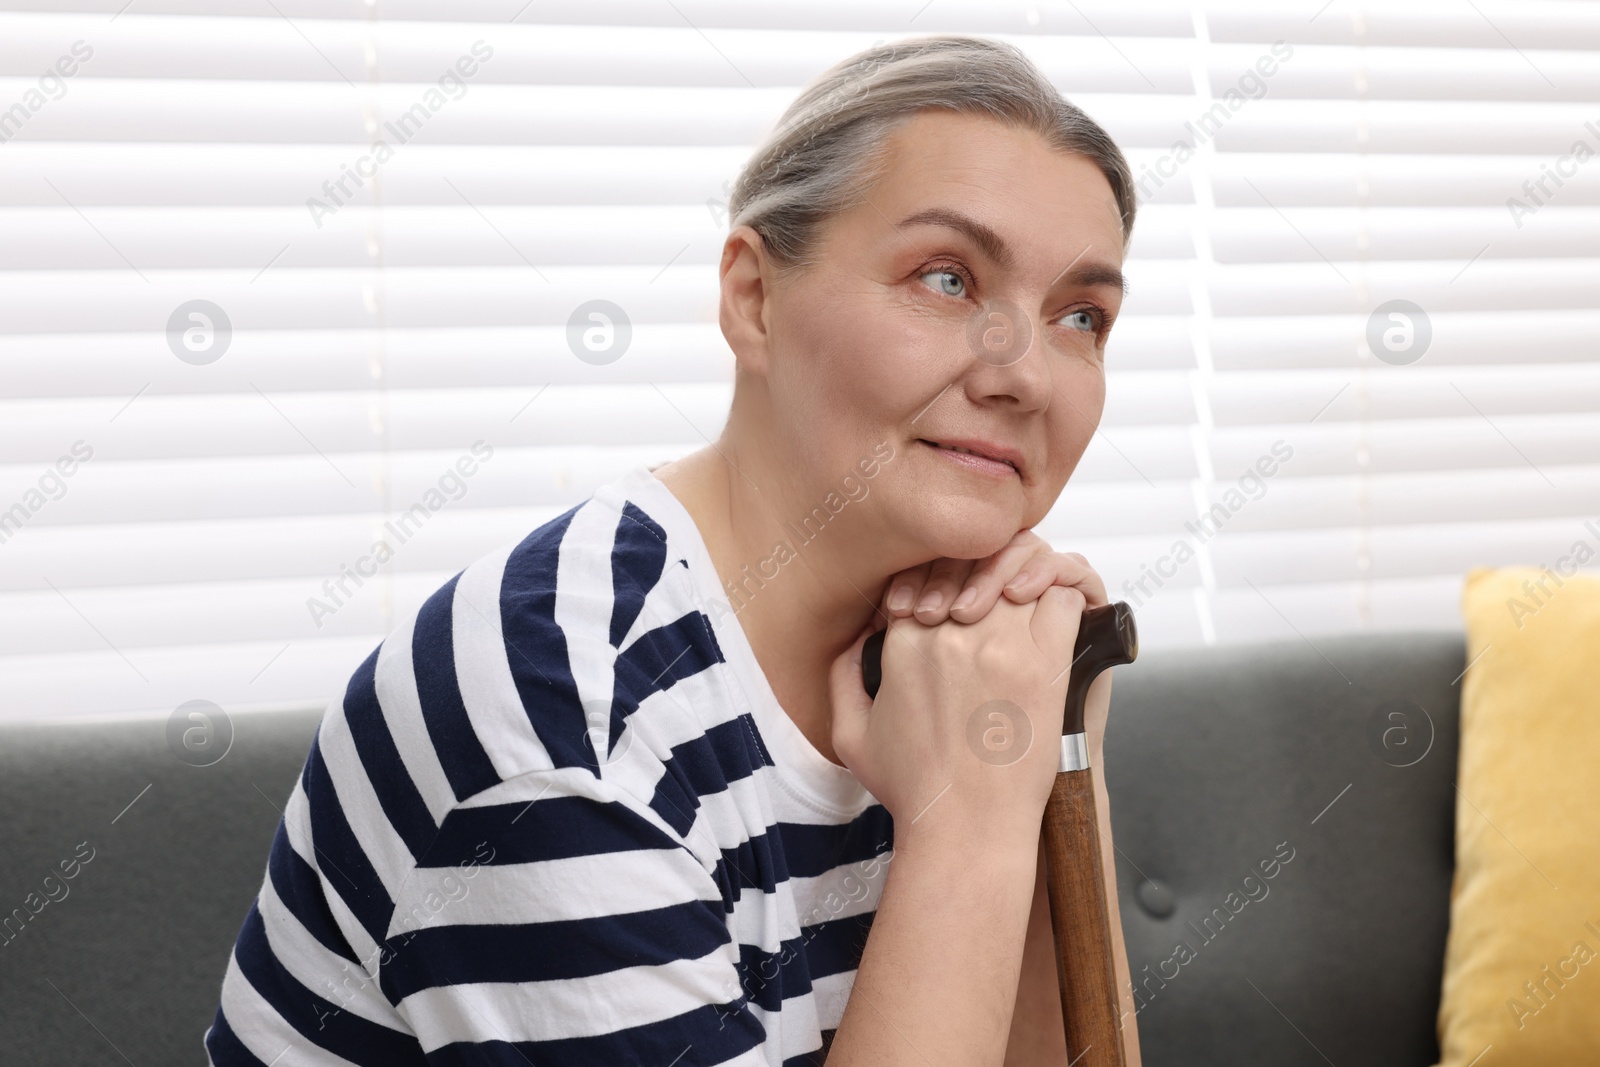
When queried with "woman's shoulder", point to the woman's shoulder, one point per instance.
{"points": [[540, 655]]}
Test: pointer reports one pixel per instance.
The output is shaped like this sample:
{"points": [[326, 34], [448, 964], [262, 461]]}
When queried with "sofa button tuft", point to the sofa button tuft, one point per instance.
{"points": [[1156, 900]]}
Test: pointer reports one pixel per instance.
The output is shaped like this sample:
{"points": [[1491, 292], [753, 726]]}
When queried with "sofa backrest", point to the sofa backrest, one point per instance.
{"points": [[126, 961], [1330, 767], [1217, 760]]}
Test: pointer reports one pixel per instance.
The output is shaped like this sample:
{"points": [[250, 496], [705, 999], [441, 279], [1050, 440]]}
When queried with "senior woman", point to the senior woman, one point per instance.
{"points": [[615, 793]]}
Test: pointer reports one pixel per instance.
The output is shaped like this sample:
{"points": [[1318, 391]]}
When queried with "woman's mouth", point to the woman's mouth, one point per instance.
{"points": [[994, 468]]}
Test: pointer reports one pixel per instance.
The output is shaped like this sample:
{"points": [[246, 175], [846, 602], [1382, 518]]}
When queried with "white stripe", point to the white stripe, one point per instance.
{"points": [[578, 887], [396, 683], [763, 920], [577, 781], [788, 1029], [535, 785], [671, 598], [584, 605], [374, 834], [263, 1031], [327, 974], [839, 893], [297, 827], [483, 670], [723, 819], [664, 721], [829, 995], [569, 1007], [688, 709]]}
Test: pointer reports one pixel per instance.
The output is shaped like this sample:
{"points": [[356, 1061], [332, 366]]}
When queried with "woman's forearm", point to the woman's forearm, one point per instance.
{"points": [[1037, 1037], [937, 981]]}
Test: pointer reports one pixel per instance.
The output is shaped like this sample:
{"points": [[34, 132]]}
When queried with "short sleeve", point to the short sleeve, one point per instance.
{"points": [[557, 920]]}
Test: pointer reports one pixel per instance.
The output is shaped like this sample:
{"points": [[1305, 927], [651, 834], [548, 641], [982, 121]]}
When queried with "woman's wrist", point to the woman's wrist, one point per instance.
{"points": [[971, 836]]}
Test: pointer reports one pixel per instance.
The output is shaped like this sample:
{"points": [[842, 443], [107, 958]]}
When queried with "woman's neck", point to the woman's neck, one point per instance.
{"points": [[800, 579]]}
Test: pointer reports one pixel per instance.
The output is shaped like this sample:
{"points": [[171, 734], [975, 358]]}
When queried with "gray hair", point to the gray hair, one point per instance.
{"points": [[832, 137]]}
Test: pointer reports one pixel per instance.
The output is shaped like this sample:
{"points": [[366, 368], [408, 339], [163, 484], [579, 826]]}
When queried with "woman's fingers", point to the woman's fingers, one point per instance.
{"points": [[967, 590], [1048, 568], [984, 583], [1055, 621], [852, 707], [1023, 570], [946, 576], [926, 590], [904, 589]]}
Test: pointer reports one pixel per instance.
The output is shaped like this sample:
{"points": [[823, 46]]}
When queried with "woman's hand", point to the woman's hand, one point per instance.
{"points": [[1023, 570], [974, 710], [966, 589]]}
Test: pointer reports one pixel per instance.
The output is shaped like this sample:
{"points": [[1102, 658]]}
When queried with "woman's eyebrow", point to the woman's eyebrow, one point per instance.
{"points": [[991, 243], [1085, 275], [994, 246]]}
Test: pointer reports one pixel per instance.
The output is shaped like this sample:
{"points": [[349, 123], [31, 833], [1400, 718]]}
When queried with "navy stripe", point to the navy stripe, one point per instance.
{"points": [[814, 849], [638, 558], [724, 753], [551, 828], [338, 854], [751, 864], [225, 1048], [374, 744], [621, 707], [433, 660], [485, 1054], [536, 648], [770, 978], [835, 946], [661, 656], [322, 1021], [656, 661], [703, 1037], [552, 951], [700, 767], [297, 886]]}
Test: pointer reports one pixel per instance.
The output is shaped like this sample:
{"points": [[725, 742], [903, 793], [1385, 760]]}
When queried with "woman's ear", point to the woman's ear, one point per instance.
{"points": [[743, 313]]}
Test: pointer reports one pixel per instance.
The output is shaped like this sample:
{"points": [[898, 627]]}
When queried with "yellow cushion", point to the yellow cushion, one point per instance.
{"points": [[1522, 963]]}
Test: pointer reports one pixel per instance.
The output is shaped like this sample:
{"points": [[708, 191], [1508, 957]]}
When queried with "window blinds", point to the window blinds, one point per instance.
{"points": [[285, 292]]}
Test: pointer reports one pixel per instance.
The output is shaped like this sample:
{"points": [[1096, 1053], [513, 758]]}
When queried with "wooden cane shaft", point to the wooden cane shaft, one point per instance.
{"points": [[1081, 921]]}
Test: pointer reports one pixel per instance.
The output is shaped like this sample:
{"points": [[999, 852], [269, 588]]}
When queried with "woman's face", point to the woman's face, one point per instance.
{"points": [[967, 299]]}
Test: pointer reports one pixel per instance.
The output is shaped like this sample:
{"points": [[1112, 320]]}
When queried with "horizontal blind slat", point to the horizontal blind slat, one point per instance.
{"points": [[380, 327]]}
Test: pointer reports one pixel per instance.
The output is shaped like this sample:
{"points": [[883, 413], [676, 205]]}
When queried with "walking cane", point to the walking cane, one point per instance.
{"points": [[1079, 913]]}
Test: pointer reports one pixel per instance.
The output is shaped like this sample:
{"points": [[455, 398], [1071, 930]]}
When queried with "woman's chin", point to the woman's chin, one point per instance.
{"points": [[966, 528]]}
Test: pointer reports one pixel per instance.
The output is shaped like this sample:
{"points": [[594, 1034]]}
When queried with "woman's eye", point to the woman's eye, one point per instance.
{"points": [[1080, 320], [949, 282]]}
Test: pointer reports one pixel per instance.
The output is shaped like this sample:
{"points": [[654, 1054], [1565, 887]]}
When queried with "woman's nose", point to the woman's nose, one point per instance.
{"points": [[1007, 354]]}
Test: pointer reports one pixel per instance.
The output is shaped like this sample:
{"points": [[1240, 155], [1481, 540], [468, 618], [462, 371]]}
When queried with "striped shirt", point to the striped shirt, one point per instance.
{"points": [[559, 817]]}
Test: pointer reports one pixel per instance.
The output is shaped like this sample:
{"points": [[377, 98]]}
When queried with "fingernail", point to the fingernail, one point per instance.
{"points": [[931, 601], [900, 599], [968, 596], [1017, 583]]}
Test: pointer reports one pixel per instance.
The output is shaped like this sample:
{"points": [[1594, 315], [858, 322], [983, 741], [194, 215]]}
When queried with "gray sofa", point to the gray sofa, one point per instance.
{"points": [[1314, 784]]}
